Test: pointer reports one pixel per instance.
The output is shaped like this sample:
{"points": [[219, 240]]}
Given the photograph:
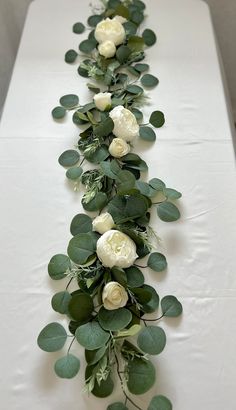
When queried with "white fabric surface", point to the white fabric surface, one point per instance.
{"points": [[193, 153]]}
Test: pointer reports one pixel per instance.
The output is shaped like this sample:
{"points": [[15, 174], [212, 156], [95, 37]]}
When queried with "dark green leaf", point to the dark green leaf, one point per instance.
{"points": [[136, 43], [74, 173], [152, 340], [58, 266], [135, 277], [141, 376], [69, 158], [149, 37], [134, 89], [80, 248], [123, 53], [97, 203], [78, 28], [81, 307], [117, 406], [149, 80], [70, 56], [141, 67], [168, 212], [104, 389], [81, 223], [67, 367], [119, 276], [138, 114], [93, 356], [58, 113], [92, 336], [105, 128], [137, 17], [147, 134], [153, 303], [125, 181], [130, 28], [157, 262], [60, 302], [171, 193], [114, 320], [52, 337], [69, 100], [94, 20], [87, 46], [145, 189], [160, 403], [171, 307], [142, 295], [157, 119]]}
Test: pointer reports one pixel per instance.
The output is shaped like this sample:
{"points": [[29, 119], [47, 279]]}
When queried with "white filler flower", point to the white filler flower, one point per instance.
{"points": [[115, 248], [125, 123], [102, 101], [114, 296], [107, 49], [118, 148], [121, 19], [110, 30], [103, 223]]}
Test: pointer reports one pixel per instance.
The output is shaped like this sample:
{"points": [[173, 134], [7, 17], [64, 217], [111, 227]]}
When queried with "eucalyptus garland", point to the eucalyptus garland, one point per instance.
{"points": [[106, 298]]}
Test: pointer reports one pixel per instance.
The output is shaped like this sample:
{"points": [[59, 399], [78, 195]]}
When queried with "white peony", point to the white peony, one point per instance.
{"points": [[110, 29], [121, 19], [125, 123], [118, 148], [103, 223], [114, 296], [102, 101], [115, 248], [107, 49]]}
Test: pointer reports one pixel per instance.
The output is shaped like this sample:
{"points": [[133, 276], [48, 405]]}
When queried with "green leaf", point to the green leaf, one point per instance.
{"points": [[70, 56], [142, 295], [125, 181], [138, 114], [171, 193], [86, 46], [58, 266], [149, 80], [149, 37], [136, 43], [74, 173], [60, 302], [134, 89], [141, 67], [67, 367], [92, 336], [135, 277], [93, 356], [69, 158], [168, 212], [141, 376], [80, 248], [171, 307], [58, 113], [106, 169], [157, 184], [81, 223], [157, 262], [127, 207], [105, 128], [69, 100], [157, 119], [78, 28], [119, 276], [152, 340], [97, 203], [114, 320], [52, 337], [123, 53], [104, 389], [81, 307], [93, 87], [160, 403], [153, 303], [117, 406], [145, 189], [94, 20], [130, 28], [123, 11], [132, 331], [137, 17]]}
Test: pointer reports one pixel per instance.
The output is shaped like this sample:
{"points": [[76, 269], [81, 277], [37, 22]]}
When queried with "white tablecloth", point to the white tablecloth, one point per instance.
{"points": [[193, 153]]}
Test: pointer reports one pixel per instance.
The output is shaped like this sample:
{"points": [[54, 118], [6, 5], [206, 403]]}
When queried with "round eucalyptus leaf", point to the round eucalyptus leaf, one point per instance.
{"points": [[74, 173], [149, 80], [147, 134], [130, 28], [81, 223], [97, 203], [119, 276], [67, 367], [58, 113], [134, 89], [125, 181], [104, 389], [93, 356], [70, 56], [58, 266], [117, 406], [157, 119], [105, 128], [78, 28], [123, 53], [152, 340], [152, 305], [141, 67], [157, 262], [69, 100], [168, 212], [139, 4], [94, 20], [160, 403], [92, 336], [114, 320], [52, 337], [80, 307], [157, 184], [138, 114], [135, 277], [87, 46], [60, 302], [80, 248], [171, 307], [142, 295], [69, 158], [137, 17], [141, 376], [171, 193], [149, 37]]}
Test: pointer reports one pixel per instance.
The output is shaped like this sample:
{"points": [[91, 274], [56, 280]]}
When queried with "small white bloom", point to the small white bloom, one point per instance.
{"points": [[115, 248], [102, 101], [114, 296], [121, 19], [103, 223], [107, 49], [110, 29], [125, 123], [118, 148]]}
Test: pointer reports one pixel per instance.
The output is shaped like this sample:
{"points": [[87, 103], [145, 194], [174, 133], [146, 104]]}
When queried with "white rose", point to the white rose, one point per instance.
{"points": [[114, 296], [102, 101], [107, 49], [121, 19], [103, 223], [125, 123], [115, 248], [110, 30], [118, 148]]}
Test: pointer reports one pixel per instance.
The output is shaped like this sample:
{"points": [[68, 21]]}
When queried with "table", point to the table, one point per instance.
{"points": [[193, 153]]}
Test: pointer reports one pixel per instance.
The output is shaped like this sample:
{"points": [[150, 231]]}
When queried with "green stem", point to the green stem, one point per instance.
{"points": [[72, 341]]}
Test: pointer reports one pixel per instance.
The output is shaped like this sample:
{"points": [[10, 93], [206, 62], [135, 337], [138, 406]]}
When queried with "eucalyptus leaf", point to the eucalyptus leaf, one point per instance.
{"points": [[160, 403], [87, 46], [123, 53], [149, 80], [94, 20], [147, 134], [152, 305], [58, 266], [80, 248], [104, 389], [114, 320], [141, 67], [149, 37], [157, 119], [117, 406], [171, 307], [152, 340], [168, 212], [81, 307], [92, 336], [134, 89], [78, 28], [81, 223], [69, 100], [135, 277], [171, 193], [71, 56], [93, 356], [74, 173], [52, 337], [69, 158], [60, 302], [157, 262], [135, 43], [58, 113], [67, 367], [141, 376], [157, 184], [105, 128], [97, 203]]}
